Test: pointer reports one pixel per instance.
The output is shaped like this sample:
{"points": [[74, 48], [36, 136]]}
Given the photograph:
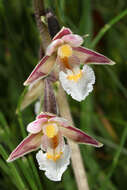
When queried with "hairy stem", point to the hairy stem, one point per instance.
{"points": [[49, 104], [39, 11], [76, 157]]}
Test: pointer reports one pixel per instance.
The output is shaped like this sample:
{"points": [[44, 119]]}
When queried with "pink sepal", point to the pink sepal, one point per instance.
{"points": [[53, 46], [29, 144], [64, 31], [79, 136], [36, 126], [42, 69], [91, 57], [73, 39]]}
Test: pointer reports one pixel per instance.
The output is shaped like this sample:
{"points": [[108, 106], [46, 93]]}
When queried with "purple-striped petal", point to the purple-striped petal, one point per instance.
{"points": [[36, 126], [91, 57], [42, 69], [29, 144], [79, 136], [73, 40], [64, 31]]}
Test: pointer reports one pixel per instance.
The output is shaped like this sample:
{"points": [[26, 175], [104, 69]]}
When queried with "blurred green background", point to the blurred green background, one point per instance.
{"points": [[103, 114]]}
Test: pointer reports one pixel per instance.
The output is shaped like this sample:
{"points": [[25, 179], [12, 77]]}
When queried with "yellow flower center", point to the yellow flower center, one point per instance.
{"points": [[65, 51], [50, 130], [75, 77], [54, 157]]}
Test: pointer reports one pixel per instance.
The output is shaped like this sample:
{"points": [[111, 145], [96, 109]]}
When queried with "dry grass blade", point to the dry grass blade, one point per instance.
{"points": [[76, 157], [107, 125]]}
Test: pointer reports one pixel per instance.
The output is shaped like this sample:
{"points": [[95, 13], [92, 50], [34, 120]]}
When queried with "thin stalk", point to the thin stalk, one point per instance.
{"points": [[22, 128], [76, 157], [116, 158], [107, 27], [49, 104], [35, 172]]}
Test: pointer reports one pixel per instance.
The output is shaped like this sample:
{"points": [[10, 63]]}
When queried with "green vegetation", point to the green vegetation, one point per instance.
{"points": [[103, 114]]}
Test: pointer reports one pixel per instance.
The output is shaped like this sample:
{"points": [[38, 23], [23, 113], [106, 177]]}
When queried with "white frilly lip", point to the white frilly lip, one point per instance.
{"points": [[78, 90], [54, 169]]}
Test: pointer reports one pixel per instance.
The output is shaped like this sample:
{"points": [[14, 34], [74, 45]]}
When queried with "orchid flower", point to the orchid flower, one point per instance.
{"points": [[47, 133], [65, 51]]}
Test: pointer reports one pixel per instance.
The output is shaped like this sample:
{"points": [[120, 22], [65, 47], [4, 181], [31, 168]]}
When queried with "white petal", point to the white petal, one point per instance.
{"points": [[54, 169], [80, 89]]}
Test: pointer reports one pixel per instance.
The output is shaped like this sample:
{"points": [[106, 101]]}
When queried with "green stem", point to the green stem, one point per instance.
{"points": [[22, 128], [35, 172], [116, 158], [107, 27], [16, 176]]}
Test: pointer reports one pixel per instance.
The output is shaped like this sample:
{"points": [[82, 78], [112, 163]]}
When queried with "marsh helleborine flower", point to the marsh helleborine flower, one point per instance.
{"points": [[47, 133], [65, 51]]}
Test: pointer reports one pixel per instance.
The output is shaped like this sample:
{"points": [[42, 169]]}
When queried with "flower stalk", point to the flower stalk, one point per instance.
{"points": [[49, 103], [39, 11]]}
